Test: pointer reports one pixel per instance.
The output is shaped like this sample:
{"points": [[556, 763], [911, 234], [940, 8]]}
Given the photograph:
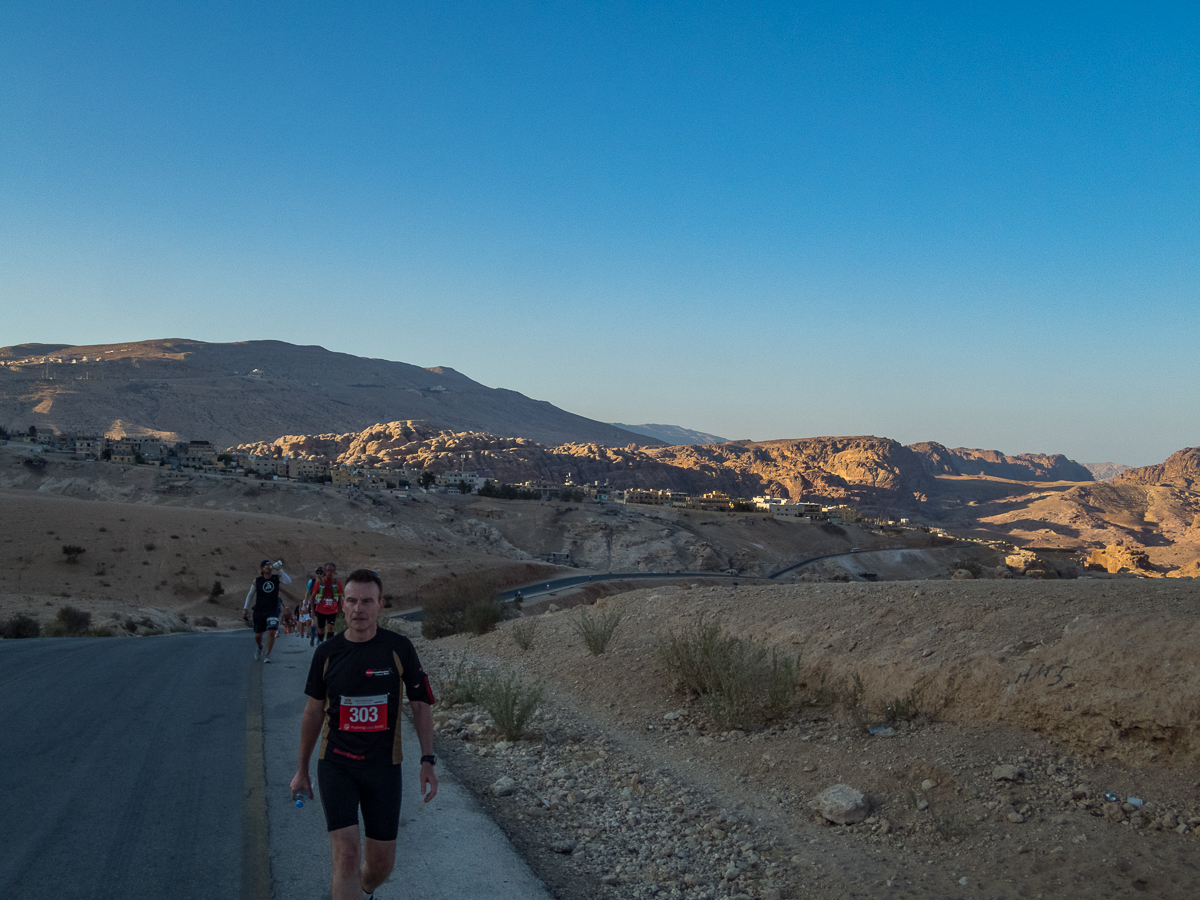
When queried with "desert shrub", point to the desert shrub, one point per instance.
{"points": [[523, 633], [690, 653], [148, 546], [215, 591], [206, 622], [447, 604], [102, 631], [482, 616], [854, 702], [751, 685], [464, 686], [72, 552], [73, 622], [509, 702], [20, 626], [596, 629], [739, 681], [970, 565], [902, 709]]}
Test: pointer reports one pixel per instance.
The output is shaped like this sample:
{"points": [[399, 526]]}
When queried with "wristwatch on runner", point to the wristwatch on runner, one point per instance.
{"points": [[431, 759]]}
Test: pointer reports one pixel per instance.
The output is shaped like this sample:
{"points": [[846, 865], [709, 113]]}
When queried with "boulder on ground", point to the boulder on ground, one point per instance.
{"points": [[841, 804], [504, 787]]}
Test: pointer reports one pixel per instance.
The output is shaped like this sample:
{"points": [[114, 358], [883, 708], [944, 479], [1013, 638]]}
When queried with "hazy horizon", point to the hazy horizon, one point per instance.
{"points": [[977, 227]]}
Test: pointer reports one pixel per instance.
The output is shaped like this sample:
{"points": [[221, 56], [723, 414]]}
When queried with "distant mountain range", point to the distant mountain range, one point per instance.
{"points": [[259, 390], [673, 434], [1106, 471], [1045, 501]]}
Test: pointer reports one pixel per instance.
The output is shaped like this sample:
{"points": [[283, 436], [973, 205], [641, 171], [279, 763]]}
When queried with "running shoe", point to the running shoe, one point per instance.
{"points": [[257, 655], [266, 659]]}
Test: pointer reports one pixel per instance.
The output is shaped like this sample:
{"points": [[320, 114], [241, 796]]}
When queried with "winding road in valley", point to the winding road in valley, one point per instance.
{"points": [[557, 584]]}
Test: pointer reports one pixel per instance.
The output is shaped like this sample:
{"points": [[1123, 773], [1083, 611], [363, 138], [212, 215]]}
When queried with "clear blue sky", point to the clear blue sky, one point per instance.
{"points": [[975, 223]]}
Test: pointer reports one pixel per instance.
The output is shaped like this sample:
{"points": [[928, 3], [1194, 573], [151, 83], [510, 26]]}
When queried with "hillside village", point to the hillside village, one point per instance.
{"points": [[202, 456]]}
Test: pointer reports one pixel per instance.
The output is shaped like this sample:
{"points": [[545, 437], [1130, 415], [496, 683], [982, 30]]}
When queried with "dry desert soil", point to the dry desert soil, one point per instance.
{"points": [[1034, 700]]}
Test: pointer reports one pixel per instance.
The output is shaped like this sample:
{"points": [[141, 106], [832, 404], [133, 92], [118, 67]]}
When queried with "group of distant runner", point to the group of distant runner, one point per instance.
{"points": [[354, 695], [314, 617]]}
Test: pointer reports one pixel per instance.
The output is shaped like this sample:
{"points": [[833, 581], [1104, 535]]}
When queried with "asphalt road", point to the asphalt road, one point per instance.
{"points": [[159, 767], [123, 766], [538, 588]]}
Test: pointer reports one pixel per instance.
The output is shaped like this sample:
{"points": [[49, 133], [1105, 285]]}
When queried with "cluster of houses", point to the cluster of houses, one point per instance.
{"points": [[203, 456], [718, 501]]}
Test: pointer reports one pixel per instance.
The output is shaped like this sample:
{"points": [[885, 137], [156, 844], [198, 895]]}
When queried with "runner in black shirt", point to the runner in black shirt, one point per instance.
{"points": [[268, 604], [353, 709]]}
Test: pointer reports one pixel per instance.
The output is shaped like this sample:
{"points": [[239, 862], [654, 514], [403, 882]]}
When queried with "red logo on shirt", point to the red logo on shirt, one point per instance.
{"points": [[371, 672]]}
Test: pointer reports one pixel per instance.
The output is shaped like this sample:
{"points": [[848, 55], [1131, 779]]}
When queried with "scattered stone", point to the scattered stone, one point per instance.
{"points": [[841, 804], [563, 846], [1006, 773], [504, 787]]}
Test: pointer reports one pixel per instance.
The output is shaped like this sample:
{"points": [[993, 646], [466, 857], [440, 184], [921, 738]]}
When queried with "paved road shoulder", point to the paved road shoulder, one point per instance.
{"points": [[448, 848]]}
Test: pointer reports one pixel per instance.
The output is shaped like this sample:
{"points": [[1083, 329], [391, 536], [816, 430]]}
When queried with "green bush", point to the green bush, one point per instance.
{"points": [[20, 626], [482, 616], [73, 622], [739, 682], [596, 629], [447, 604], [690, 654], [509, 702], [523, 632], [464, 686]]}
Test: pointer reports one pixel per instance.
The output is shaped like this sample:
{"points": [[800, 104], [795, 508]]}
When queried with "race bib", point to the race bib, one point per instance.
{"points": [[272, 623], [363, 713]]}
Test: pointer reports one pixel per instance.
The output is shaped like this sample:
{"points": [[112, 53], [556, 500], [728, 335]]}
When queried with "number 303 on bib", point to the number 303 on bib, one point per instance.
{"points": [[363, 713]]}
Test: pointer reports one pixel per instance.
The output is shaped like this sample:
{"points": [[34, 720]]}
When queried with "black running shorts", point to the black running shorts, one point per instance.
{"points": [[324, 620], [264, 622], [376, 789]]}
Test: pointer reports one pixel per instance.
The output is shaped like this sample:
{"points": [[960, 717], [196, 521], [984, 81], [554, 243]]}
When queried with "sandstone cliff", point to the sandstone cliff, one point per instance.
{"points": [[1181, 470], [940, 460]]}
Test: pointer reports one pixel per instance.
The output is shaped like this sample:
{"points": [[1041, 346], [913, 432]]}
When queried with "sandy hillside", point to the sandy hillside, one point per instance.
{"points": [[1079, 687], [258, 390]]}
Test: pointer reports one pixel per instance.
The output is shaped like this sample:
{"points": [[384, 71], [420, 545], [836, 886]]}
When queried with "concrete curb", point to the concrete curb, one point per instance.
{"points": [[448, 848]]}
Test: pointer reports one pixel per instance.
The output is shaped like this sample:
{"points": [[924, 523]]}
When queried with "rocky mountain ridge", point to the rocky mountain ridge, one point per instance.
{"points": [[256, 390], [673, 434], [1045, 500], [1180, 470]]}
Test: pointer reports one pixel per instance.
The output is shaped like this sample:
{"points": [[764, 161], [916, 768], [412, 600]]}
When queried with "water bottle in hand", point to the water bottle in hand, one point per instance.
{"points": [[299, 798]]}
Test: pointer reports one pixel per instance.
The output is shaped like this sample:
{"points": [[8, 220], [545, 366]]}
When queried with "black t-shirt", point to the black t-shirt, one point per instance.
{"points": [[266, 596], [360, 684]]}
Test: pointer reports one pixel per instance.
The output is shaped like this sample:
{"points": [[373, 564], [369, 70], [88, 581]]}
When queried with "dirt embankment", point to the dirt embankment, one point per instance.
{"points": [[1034, 699]]}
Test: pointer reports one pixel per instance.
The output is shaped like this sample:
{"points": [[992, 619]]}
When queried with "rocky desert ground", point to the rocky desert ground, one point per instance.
{"points": [[1033, 703], [1017, 704]]}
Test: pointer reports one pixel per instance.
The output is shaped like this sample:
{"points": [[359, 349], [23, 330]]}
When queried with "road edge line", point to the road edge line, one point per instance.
{"points": [[256, 843]]}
